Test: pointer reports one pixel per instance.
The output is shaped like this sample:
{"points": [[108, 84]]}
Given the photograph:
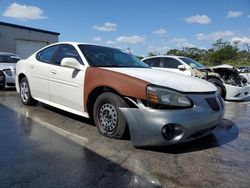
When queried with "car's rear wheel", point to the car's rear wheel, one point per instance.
{"points": [[109, 120], [25, 94]]}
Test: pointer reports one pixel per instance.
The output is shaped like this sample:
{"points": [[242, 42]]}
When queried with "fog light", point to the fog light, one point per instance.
{"points": [[172, 132]]}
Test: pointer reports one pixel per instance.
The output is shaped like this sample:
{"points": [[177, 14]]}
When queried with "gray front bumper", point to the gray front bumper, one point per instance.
{"points": [[146, 124]]}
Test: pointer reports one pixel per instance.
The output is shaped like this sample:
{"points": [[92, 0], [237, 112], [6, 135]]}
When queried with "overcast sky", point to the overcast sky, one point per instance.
{"points": [[142, 25]]}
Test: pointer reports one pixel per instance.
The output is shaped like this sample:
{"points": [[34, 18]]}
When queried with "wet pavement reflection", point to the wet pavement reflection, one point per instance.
{"points": [[32, 154]]}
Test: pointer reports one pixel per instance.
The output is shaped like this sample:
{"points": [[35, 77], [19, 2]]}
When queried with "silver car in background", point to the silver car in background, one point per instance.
{"points": [[8, 69]]}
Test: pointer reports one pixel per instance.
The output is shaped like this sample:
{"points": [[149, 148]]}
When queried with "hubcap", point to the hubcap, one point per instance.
{"points": [[24, 92], [108, 117]]}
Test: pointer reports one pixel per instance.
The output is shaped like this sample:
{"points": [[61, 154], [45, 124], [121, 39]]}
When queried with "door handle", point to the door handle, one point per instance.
{"points": [[53, 71]]}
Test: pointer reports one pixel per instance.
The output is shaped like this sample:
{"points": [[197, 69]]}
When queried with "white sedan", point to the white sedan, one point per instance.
{"points": [[229, 83], [118, 90]]}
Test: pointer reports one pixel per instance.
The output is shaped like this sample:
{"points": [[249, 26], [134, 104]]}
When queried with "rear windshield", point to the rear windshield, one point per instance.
{"points": [[99, 56], [8, 59]]}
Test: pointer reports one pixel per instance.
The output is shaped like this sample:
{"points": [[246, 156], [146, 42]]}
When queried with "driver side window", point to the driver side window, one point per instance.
{"points": [[66, 50]]}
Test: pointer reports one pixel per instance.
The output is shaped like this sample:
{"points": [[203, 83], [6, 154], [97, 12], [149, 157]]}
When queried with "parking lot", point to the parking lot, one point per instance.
{"points": [[45, 147]]}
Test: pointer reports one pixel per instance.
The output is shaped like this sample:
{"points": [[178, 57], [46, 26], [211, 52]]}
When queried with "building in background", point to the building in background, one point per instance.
{"points": [[24, 41]]}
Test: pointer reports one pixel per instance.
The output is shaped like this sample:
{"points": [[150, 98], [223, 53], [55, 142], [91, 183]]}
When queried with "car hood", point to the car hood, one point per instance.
{"points": [[167, 79], [225, 66], [7, 65]]}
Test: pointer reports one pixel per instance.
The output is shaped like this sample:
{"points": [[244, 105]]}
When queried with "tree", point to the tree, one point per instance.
{"points": [[223, 51], [173, 52], [151, 54], [139, 57], [219, 44]]}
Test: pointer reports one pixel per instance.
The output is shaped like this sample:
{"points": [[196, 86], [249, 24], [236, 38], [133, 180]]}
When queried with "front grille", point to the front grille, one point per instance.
{"points": [[212, 102]]}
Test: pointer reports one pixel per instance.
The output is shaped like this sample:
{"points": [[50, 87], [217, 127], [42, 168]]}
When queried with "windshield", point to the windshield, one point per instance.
{"points": [[192, 63], [99, 56], [8, 59]]}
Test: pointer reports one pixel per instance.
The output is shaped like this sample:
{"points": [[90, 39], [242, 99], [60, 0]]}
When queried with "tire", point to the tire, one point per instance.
{"points": [[2, 84], [109, 121], [219, 88], [218, 84], [25, 93]]}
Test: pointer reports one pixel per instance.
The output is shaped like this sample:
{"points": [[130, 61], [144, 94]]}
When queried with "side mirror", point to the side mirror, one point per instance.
{"points": [[71, 63], [182, 67]]}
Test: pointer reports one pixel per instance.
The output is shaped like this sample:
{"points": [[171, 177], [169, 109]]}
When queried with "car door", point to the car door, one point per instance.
{"points": [[171, 64], [38, 73], [65, 83]]}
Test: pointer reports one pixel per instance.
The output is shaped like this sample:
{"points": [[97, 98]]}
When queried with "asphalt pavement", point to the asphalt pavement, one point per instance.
{"points": [[41, 146]]}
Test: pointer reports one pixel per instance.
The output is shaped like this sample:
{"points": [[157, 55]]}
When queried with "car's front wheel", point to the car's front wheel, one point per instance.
{"points": [[109, 120], [2, 87], [218, 84], [2, 80], [25, 94]]}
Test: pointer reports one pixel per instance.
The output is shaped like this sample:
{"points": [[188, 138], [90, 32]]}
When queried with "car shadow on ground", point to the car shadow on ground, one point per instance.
{"points": [[88, 121], [247, 99], [33, 156], [68, 114], [226, 132], [9, 89]]}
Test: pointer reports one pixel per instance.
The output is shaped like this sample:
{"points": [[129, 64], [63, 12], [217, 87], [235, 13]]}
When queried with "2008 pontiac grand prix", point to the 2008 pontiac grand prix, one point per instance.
{"points": [[118, 90]]}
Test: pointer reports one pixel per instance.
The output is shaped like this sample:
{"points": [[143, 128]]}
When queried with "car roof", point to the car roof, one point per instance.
{"points": [[6, 53], [162, 56], [224, 66], [80, 43]]}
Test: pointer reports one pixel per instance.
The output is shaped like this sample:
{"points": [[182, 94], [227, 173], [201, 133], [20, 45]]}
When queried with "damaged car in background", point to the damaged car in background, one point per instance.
{"points": [[119, 91], [7, 69], [230, 84]]}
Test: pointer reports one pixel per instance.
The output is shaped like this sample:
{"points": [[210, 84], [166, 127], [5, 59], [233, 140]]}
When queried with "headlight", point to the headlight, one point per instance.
{"points": [[167, 97], [8, 72]]}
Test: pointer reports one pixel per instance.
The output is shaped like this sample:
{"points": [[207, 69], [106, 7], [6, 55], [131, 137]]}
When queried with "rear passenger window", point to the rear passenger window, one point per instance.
{"points": [[153, 62], [46, 54], [171, 63], [66, 50]]}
